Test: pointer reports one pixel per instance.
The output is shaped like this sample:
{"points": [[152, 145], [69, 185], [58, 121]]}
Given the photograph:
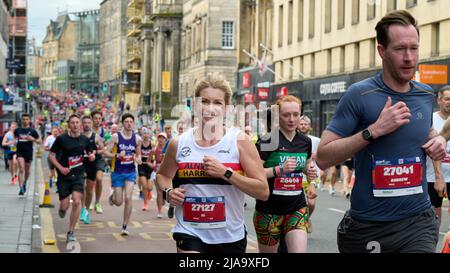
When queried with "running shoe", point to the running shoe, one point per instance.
{"points": [[24, 188], [21, 193], [83, 214], [159, 216], [141, 195], [98, 208], [145, 207], [87, 221], [61, 213], [15, 179], [332, 191], [124, 232], [71, 237], [170, 212]]}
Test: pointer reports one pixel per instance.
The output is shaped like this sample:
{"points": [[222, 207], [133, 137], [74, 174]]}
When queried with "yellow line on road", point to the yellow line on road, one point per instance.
{"points": [[47, 230]]}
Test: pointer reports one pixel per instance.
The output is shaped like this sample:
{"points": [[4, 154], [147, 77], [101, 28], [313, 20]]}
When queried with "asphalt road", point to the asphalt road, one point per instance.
{"points": [[149, 234]]}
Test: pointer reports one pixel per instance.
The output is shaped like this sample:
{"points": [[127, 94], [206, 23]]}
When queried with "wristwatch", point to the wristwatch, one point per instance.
{"points": [[367, 135], [165, 193], [228, 173]]}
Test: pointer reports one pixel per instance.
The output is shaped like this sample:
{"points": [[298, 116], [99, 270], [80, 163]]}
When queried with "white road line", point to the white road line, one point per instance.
{"points": [[337, 210]]}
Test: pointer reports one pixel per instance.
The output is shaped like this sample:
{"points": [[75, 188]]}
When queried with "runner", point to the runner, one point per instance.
{"points": [[71, 148], [26, 136], [210, 200], [10, 141], [96, 144], [48, 143], [305, 128], [123, 177], [286, 210], [157, 160], [175, 182], [438, 172], [385, 123], [100, 163], [146, 168]]}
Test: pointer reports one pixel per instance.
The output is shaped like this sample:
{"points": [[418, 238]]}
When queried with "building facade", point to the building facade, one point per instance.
{"points": [[59, 44], [208, 43], [166, 17], [34, 63], [5, 6], [322, 47], [17, 42], [88, 51], [113, 44]]}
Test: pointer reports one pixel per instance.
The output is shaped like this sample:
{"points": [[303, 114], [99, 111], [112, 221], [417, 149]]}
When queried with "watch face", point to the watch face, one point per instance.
{"points": [[228, 174], [367, 135]]}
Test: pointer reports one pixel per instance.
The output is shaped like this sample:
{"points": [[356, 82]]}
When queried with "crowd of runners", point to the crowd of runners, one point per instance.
{"points": [[382, 138]]}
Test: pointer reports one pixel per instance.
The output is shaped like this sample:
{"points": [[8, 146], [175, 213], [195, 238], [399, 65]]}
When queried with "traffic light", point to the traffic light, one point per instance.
{"points": [[30, 86]]}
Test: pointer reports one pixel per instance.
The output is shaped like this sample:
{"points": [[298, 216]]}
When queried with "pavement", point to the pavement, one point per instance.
{"points": [[19, 230]]}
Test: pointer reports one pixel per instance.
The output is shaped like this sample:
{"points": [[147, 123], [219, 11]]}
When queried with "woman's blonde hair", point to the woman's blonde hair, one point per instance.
{"points": [[215, 81]]}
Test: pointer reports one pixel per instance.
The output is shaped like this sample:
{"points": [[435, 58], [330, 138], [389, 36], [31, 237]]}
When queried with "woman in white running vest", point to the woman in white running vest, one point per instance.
{"points": [[208, 162]]}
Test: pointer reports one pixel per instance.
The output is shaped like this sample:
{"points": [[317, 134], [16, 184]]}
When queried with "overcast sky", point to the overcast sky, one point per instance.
{"points": [[41, 11]]}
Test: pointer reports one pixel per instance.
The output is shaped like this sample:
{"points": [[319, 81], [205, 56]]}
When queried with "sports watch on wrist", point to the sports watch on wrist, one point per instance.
{"points": [[165, 193], [367, 135], [228, 173]]}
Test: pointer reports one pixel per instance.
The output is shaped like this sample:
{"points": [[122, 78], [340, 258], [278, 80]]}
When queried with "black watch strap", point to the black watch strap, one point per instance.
{"points": [[166, 194]]}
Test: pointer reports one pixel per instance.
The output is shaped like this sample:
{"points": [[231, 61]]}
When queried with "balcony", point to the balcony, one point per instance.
{"points": [[133, 31], [134, 56], [135, 3]]}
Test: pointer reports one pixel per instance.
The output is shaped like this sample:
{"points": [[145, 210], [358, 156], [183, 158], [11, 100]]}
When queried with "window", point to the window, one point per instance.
{"points": [[342, 59], [355, 11], [280, 26], [312, 17], [411, 3], [313, 64], [341, 14], [435, 37], [300, 18], [372, 52], [391, 5], [228, 34], [290, 21], [356, 57], [328, 16], [371, 11]]}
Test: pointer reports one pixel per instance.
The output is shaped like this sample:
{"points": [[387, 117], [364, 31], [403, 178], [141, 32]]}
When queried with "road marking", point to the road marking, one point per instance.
{"points": [[47, 229], [337, 210]]}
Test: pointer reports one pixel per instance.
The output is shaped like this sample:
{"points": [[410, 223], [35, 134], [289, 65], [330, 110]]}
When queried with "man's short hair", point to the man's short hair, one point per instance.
{"points": [[72, 116], [442, 90], [398, 17], [127, 115], [26, 115], [306, 118], [86, 117], [96, 112]]}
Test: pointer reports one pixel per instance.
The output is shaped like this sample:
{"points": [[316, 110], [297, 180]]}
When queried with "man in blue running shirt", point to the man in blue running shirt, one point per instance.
{"points": [[385, 122]]}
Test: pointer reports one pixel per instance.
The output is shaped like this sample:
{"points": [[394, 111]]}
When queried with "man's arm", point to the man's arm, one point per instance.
{"points": [[439, 182], [446, 130], [334, 149]]}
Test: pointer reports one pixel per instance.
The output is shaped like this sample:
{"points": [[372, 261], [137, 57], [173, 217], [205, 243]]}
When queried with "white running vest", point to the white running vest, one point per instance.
{"points": [[221, 218], [438, 124]]}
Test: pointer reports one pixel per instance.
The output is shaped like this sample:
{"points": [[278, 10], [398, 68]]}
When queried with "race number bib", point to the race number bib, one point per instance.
{"points": [[13, 149], [397, 177], [23, 138], [75, 161], [127, 159], [289, 185], [204, 212]]}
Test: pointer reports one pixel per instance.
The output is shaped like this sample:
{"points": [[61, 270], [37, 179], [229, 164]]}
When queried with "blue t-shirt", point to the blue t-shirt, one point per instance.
{"points": [[359, 108]]}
